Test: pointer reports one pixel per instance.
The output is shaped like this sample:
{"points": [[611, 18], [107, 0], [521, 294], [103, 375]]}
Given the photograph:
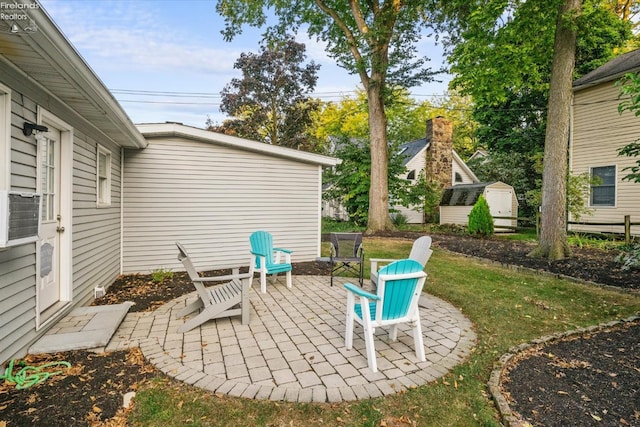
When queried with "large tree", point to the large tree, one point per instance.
{"points": [[270, 102], [553, 235], [377, 40]]}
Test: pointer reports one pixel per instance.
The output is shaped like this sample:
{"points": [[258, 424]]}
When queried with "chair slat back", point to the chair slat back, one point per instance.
{"points": [[346, 245], [421, 250], [398, 294], [186, 262], [262, 244]]}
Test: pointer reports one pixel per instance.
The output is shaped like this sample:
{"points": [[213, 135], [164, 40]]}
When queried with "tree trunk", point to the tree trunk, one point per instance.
{"points": [[553, 236], [379, 219]]}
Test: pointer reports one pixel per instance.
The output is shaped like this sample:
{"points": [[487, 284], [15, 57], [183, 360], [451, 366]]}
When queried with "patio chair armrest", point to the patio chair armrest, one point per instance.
{"points": [[285, 251], [375, 261], [226, 277], [358, 291]]}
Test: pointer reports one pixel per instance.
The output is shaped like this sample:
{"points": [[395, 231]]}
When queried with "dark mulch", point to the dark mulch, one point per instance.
{"points": [[591, 380], [91, 392]]}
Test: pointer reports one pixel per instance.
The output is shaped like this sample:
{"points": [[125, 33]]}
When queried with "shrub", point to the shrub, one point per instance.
{"points": [[399, 219], [630, 258], [480, 219], [160, 274]]}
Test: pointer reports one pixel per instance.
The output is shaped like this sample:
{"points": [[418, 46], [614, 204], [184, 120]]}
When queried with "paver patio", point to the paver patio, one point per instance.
{"points": [[293, 348]]}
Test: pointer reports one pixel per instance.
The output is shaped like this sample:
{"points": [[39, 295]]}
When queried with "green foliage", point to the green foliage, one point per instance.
{"points": [[630, 258], [578, 187], [159, 275], [480, 219], [630, 89], [270, 103], [349, 181], [399, 219], [501, 54], [521, 171], [424, 196]]}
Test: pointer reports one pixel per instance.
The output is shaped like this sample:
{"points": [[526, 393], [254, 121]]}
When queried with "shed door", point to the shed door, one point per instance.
{"points": [[499, 200]]}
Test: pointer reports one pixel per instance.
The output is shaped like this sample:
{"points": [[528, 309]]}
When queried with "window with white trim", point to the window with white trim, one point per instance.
{"points": [[603, 186], [103, 177]]}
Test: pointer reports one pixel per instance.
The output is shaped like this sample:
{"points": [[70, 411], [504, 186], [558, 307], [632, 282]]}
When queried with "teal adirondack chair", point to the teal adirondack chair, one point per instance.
{"points": [[268, 260], [396, 301]]}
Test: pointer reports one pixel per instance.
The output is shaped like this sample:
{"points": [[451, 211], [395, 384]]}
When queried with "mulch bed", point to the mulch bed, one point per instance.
{"points": [[599, 373]]}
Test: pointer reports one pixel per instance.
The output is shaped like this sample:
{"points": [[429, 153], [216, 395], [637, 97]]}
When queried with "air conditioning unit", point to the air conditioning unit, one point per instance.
{"points": [[19, 218]]}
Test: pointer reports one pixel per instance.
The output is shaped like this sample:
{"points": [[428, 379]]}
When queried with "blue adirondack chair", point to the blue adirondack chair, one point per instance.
{"points": [[268, 260], [396, 301]]}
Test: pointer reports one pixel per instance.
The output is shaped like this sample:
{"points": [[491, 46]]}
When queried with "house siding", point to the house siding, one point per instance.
{"points": [[211, 198], [598, 132], [418, 163], [95, 232]]}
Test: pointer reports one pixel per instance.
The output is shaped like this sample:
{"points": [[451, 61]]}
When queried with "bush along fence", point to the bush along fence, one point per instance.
{"points": [[626, 223]]}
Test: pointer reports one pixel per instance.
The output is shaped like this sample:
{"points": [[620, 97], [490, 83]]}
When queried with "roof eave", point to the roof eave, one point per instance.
{"points": [[163, 130]]}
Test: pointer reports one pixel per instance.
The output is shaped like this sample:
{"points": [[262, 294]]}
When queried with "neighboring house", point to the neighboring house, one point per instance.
{"points": [[65, 139], [458, 200], [598, 132], [435, 155], [211, 191]]}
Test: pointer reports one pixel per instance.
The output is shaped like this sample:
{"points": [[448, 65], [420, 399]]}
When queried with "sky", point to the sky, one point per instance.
{"points": [[165, 60]]}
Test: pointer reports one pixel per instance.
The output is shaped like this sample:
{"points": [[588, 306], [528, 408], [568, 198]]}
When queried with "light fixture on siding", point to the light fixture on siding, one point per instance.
{"points": [[28, 128]]}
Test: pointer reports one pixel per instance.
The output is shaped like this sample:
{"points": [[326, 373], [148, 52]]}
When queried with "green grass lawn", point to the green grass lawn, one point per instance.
{"points": [[507, 308]]}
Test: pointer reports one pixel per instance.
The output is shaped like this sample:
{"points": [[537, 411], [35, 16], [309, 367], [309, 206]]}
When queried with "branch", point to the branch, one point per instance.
{"points": [[351, 40]]}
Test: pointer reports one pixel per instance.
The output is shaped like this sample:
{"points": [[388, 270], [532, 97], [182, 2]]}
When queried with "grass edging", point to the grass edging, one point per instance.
{"points": [[506, 414]]}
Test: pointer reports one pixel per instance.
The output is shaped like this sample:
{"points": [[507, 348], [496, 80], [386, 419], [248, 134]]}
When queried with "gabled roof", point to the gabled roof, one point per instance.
{"points": [[45, 57], [620, 65], [414, 148], [178, 130]]}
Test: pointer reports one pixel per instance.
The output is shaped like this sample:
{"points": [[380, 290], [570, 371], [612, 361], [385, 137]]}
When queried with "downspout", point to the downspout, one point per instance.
{"points": [[319, 246]]}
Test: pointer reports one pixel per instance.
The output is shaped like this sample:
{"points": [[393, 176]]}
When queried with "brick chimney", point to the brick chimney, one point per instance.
{"points": [[439, 159]]}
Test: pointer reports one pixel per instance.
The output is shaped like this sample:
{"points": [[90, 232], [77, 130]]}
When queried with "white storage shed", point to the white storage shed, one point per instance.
{"points": [[457, 202]]}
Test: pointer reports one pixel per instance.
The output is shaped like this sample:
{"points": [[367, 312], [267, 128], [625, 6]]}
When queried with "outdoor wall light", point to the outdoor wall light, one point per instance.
{"points": [[28, 128]]}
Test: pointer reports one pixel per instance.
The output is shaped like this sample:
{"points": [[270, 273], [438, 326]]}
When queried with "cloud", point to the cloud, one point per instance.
{"points": [[134, 35]]}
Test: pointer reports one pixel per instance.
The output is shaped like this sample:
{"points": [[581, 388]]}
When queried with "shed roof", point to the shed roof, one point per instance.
{"points": [[612, 70], [47, 58], [171, 129], [463, 194]]}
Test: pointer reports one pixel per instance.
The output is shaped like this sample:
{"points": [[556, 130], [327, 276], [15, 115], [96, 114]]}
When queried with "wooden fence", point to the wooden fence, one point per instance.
{"points": [[626, 224]]}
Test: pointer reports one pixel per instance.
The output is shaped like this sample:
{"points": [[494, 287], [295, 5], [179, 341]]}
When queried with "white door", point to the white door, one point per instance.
{"points": [[499, 201], [49, 245]]}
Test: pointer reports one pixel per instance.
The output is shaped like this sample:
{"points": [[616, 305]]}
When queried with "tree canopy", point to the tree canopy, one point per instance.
{"points": [[271, 102], [376, 40]]}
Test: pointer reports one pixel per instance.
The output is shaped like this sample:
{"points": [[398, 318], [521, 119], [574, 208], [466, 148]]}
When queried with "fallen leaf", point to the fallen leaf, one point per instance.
{"points": [[96, 409], [180, 404], [595, 417]]}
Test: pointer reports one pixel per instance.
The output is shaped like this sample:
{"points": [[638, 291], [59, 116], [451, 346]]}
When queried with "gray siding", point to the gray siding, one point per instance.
{"points": [[18, 264], [95, 232], [211, 198], [598, 132]]}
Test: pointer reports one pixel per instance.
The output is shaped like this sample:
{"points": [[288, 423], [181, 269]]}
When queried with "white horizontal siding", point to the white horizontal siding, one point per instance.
{"points": [[599, 131], [455, 214], [212, 198]]}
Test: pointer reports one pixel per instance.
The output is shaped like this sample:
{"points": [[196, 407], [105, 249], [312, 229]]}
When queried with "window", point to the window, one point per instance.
{"points": [[603, 188], [103, 178], [411, 175], [458, 177]]}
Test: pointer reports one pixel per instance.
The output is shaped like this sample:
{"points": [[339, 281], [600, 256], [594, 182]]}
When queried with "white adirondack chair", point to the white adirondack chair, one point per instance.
{"points": [[395, 302], [420, 251]]}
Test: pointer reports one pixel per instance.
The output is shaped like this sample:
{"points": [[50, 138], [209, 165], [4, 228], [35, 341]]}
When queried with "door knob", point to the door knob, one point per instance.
{"points": [[60, 229]]}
